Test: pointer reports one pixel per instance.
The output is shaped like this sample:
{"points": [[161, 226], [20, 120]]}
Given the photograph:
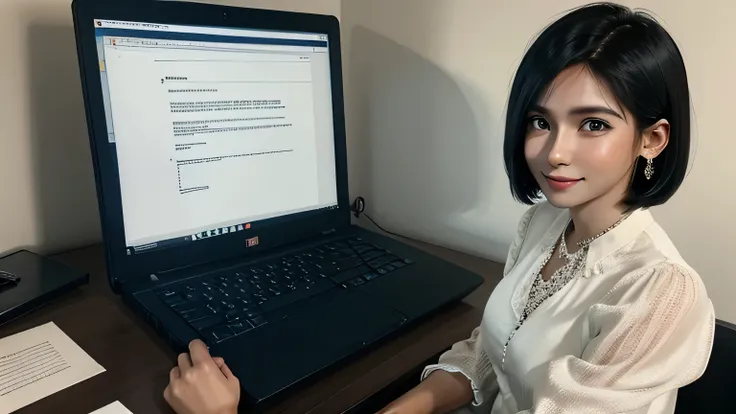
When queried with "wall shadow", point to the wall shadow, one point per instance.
{"points": [[415, 142], [64, 182]]}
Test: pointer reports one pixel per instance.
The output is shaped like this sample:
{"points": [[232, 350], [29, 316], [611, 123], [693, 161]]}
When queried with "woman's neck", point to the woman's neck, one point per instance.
{"points": [[592, 218]]}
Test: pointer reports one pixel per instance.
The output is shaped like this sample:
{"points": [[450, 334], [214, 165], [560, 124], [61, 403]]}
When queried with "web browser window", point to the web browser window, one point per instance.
{"points": [[214, 128]]}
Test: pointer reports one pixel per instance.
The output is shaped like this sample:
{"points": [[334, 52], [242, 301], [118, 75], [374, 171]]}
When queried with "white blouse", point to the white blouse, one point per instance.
{"points": [[621, 338]]}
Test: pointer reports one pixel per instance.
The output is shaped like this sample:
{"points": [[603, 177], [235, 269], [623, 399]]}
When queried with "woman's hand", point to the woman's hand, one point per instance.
{"points": [[201, 384]]}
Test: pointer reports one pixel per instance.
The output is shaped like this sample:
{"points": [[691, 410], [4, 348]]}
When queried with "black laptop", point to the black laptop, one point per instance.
{"points": [[218, 140]]}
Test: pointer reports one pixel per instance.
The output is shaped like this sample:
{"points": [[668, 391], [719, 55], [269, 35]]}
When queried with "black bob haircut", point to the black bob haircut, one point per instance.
{"points": [[639, 62]]}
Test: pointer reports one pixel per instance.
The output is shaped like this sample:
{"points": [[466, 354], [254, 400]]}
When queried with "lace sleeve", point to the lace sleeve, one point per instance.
{"points": [[521, 232], [468, 358], [652, 333]]}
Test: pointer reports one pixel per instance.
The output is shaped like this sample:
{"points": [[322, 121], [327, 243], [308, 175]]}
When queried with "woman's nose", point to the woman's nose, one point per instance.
{"points": [[561, 149]]}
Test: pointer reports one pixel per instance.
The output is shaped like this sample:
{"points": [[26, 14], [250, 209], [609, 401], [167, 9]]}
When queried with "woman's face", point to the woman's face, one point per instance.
{"points": [[580, 145]]}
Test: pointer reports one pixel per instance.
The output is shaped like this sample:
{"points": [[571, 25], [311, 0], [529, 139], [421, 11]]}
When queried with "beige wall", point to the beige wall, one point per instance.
{"points": [[428, 83], [47, 200], [48, 196], [425, 110], [308, 6]]}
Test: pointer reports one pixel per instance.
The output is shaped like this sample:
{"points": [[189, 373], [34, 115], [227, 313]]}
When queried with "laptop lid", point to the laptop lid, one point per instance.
{"points": [[216, 132]]}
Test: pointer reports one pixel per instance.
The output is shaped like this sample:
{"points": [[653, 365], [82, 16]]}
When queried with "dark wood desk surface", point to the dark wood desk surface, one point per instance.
{"points": [[137, 361]]}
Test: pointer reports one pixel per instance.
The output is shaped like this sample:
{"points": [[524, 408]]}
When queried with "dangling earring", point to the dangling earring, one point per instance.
{"points": [[649, 170]]}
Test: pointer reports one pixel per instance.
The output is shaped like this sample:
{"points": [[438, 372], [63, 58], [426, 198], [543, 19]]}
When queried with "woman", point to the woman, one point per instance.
{"points": [[597, 311]]}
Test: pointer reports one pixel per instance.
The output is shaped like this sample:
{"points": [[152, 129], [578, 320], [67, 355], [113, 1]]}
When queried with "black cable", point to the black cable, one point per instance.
{"points": [[358, 209]]}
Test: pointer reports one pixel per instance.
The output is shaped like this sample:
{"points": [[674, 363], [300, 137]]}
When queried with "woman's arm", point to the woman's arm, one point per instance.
{"points": [[653, 334], [440, 392], [462, 376]]}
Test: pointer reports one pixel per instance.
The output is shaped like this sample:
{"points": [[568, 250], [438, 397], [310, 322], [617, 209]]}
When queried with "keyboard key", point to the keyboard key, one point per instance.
{"points": [[258, 321], [340, 278], [372, 254], [371, 275], [252, 314], [347, 264], [220, 333], [166, 293], [381, 261], [353, 282], [174, 300], [363, 248], [203, 323], [318, 287], [183, 307], [195, 314], [232, 316], [240, 327], [398, 264]]}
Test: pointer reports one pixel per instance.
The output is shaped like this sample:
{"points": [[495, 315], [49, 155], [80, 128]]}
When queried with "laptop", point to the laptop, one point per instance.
{"points": [[218, 142]]}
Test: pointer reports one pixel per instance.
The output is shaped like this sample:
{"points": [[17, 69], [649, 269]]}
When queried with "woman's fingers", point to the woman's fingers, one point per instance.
{"points": [[174, 374], [226, 371], [184, 362]]}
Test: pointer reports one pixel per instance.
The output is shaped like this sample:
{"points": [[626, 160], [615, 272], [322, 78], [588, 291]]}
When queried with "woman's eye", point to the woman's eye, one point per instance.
{"points": [[595, 125], [539, 123]]}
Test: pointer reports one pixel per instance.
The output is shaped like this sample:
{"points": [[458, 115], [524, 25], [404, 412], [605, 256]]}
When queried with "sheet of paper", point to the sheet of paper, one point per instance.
{"points": [[114, 408], [39, 362]]}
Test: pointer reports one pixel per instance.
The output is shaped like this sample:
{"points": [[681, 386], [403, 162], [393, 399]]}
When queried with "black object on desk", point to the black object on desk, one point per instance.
{"points": [[28, 281]]}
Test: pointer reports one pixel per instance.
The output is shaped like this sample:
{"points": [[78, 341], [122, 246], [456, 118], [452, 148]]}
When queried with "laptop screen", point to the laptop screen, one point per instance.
{"points": [[215, 129]]}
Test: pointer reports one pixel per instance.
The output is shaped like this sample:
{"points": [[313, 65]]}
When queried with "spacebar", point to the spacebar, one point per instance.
{"points": [[277, 302]]}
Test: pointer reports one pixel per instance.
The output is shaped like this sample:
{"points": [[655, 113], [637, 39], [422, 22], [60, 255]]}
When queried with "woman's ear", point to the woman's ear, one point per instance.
{"points": [[655, 139]]}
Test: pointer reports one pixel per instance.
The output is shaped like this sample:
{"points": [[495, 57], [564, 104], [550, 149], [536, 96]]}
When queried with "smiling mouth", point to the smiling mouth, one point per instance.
{"points": [[561, 183], [562, 179]]}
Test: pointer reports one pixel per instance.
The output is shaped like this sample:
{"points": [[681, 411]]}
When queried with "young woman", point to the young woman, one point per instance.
{"points": [[597, 311]]}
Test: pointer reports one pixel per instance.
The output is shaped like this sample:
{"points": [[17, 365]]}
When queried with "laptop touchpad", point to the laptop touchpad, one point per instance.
{"points": [[279, 354]]}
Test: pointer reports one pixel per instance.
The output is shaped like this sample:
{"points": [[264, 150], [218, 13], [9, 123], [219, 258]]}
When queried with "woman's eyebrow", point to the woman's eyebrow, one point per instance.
{"points": [[581, 110], [587, 110]]}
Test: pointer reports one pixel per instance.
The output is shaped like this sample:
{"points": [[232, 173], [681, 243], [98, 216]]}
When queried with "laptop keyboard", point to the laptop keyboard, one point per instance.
{"points": [[225, 304]]}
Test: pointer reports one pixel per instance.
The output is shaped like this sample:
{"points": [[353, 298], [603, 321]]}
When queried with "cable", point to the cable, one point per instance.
{"points": [[358, 209]]}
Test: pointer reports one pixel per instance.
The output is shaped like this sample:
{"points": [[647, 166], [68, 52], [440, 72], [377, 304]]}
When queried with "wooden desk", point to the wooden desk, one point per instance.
{"points": [[138, 362]]}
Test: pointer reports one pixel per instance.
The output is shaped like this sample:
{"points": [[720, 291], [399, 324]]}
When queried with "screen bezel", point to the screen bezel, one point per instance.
{"points": [[271, 233]]}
